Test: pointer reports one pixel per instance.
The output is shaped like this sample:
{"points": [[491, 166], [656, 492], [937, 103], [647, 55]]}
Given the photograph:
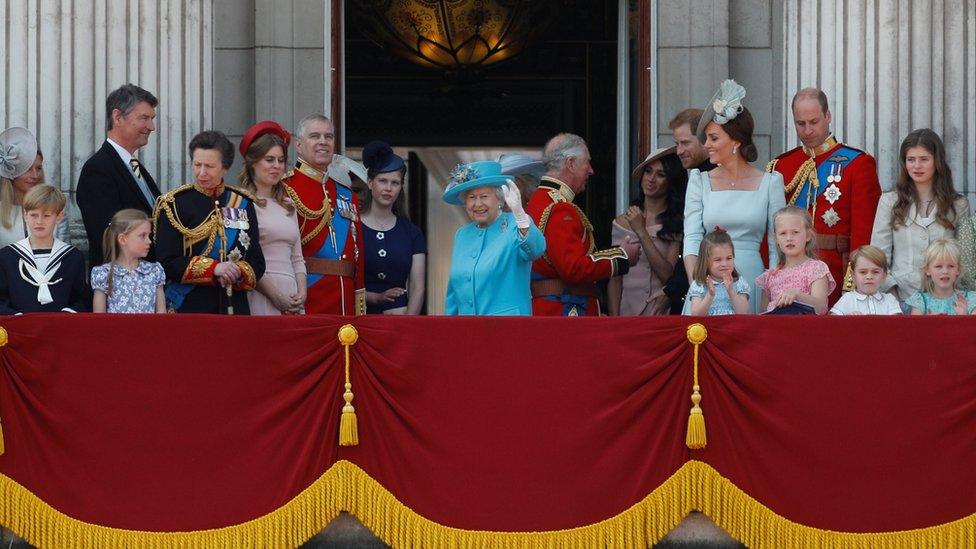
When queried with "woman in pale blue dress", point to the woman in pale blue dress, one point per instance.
{"points": [[735, 196]]}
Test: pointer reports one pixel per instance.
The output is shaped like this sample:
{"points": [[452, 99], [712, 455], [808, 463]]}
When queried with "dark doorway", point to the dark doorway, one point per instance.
{"points": [[563, 82]]}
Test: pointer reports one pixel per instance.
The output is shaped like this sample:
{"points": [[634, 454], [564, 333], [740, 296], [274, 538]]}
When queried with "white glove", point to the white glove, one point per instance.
{"points": [[513, 199]]}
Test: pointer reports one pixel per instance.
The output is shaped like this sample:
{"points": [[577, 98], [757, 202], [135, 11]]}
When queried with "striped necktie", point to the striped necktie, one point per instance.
{"points": [[136, 168]]}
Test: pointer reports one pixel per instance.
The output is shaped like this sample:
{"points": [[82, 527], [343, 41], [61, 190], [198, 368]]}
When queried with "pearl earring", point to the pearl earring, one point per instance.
{"points": [[734, 149]]}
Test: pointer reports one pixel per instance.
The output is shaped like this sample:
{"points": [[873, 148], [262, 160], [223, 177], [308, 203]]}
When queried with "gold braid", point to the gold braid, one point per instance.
{"points": [[208, 228], [324, 215]]}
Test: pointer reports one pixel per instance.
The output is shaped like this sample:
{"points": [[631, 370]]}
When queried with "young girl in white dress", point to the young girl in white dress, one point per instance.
{"points": [[716, 287], [126, 282]]}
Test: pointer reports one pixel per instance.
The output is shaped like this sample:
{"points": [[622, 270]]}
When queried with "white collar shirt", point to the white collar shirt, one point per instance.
{"points": [[879, 303]]}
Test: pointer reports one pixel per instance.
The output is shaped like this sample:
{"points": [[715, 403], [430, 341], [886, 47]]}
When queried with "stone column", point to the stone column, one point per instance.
{"points": [[889, 67]]}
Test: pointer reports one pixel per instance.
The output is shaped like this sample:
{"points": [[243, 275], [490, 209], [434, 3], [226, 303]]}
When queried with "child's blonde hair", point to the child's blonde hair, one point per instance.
{"points": [[871, 253], [45, 197], [939, 249], [123, 222], [718, 237], [811, 248]]}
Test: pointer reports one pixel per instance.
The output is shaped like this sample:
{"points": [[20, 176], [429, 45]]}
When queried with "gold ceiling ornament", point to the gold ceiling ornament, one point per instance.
{"points": [[454, 35]]}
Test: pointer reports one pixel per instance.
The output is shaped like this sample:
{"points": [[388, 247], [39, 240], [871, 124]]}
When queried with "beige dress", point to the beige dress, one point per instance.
{"points": [[643, 294], [905, 245], [282, 247]]}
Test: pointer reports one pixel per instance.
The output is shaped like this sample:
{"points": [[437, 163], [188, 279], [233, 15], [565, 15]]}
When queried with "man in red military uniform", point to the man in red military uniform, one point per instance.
{"points": [[564, 278], [836, 183], [328, 217]]}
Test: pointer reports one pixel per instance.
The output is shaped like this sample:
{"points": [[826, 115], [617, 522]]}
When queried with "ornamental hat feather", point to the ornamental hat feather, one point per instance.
{"points": [[465, 177], [725, 105]]}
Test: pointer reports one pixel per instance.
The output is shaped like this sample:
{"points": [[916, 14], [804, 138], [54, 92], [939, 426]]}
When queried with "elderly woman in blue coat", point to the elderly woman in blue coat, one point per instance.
{"points": [[493, 255]]}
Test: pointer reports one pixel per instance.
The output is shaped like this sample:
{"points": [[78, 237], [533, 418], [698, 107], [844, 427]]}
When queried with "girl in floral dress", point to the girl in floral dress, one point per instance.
{"points": [[127, 283], [799, 283]]}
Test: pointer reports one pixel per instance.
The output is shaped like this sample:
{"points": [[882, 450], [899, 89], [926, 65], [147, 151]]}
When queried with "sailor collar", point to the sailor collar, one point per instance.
{"points": [[552, 183], [40, 274], [814, 152]]}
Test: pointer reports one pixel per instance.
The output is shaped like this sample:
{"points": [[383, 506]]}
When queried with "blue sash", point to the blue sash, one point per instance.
{"points": [[176, 292], [568, 300], [341, 225], [841, 157]]}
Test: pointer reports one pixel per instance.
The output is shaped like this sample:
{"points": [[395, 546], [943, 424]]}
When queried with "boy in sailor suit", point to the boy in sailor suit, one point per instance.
{"points": [[40, 273]]}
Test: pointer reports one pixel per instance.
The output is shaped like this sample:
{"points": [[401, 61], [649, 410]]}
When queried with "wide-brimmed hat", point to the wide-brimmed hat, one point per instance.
{"points": [[516, 164], [664, 151], [261, 128], [18, 149], [378, 157], [725, 105], [465, 177]]}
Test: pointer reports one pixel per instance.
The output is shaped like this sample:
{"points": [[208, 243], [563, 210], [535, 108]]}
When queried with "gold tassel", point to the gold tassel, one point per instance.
{"points": [[348, 428], [695, 438]]}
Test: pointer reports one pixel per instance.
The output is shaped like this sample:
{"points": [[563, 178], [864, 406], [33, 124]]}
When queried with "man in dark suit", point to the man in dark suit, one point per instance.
{"points": [[113, 179]]}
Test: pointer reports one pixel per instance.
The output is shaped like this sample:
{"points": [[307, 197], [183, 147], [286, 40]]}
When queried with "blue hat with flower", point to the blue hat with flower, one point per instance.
{"points": [[465, 177]]}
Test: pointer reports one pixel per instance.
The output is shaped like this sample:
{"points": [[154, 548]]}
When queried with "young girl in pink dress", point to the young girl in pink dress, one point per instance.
{"points": [[798, 283]]}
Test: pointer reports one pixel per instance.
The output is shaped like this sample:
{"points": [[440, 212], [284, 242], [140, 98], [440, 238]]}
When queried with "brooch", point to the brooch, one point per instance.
{"points": [[245, 240], [234, 255], [832, 193], [830, 217]]}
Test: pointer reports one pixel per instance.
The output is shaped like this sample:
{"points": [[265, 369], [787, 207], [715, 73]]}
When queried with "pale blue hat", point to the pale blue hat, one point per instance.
{"points": [[465, 177]]}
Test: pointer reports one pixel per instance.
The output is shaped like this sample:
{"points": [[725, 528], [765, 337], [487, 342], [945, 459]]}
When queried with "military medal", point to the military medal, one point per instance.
{"points": [[830, 217], [832, 193], [837, 177]]}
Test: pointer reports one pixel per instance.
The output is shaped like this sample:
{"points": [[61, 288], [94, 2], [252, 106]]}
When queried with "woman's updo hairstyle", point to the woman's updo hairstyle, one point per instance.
{"points": [[740, 129]]}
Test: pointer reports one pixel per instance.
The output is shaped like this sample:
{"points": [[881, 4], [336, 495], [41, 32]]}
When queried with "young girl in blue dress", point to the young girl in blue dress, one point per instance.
{"points": [[127, 283], [716, 288], [940, 272]]}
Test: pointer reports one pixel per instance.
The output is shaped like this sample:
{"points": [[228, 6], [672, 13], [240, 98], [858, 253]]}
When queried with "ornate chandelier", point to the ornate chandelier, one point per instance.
{"points": [[453, 35]]}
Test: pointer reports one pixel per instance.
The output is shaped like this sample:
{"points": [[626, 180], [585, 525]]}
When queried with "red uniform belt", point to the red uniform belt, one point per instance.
{"points": [[839, 242], [554, 286], [316, 265]]}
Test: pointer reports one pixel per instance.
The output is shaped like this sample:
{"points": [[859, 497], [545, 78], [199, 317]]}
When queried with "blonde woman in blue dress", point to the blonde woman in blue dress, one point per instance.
{"points": [[735, 196]]}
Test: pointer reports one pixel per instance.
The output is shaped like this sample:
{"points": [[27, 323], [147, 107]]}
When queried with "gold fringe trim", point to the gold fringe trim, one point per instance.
{"points": [[346, 487]]}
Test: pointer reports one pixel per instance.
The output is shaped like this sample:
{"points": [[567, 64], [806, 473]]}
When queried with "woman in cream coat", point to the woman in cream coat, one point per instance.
{"points": [[924, 207]]}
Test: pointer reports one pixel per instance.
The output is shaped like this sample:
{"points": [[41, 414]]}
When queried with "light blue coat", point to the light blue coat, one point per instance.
{"points": [[490, 269]]}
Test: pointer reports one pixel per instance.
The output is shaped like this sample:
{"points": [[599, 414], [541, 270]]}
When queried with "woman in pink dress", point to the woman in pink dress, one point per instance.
{"points": [[282, 289], [655, 220]]}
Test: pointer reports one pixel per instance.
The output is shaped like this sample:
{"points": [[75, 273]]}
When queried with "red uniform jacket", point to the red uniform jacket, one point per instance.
{"points": [[843, 212], [332, 241], [564, 278]]}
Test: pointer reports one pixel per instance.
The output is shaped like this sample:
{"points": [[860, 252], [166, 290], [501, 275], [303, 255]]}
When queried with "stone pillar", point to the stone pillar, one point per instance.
{"points": [[270, 64], [61, 58], [692, 56], [889, 67]]}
